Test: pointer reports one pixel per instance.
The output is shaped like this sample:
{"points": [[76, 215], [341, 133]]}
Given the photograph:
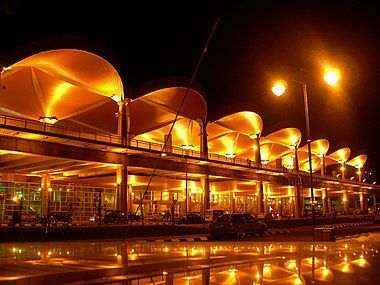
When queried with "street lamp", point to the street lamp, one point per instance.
{"points": [[278, 89]]}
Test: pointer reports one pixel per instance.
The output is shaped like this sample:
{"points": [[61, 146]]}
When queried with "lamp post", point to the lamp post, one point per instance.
{"points": [[278, 89]]}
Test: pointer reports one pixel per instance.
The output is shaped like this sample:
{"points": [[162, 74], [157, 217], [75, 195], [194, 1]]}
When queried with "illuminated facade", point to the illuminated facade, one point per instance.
{"points": [[73, 136]]}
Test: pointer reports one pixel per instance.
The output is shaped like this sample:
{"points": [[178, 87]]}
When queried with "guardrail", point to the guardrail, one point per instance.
{"points": [[36, 126]]}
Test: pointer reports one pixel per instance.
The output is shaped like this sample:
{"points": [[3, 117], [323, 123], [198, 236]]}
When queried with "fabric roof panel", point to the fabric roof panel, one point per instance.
{"points": [[170, 99], [53, 81]]}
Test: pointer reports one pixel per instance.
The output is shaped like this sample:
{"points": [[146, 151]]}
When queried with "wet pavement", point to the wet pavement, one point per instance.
{"points": [[190, 263]]}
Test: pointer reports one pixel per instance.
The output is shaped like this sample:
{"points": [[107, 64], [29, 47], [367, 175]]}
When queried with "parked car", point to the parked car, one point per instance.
{"points": [[191, 218], [237, 225], [270, 216], [212, 214], [61, 217], [115, 217], [132, 217], [29, 217], [155, 217]]}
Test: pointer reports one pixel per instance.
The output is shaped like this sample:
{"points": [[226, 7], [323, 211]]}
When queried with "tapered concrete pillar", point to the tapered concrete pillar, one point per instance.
{"points": [[205, 182], [259, 185], [232, 202], [204, 154], [122, 171], [345, 201], [329, 204], [169, 279], [129, 198], [298, 203], [45, 187], [122, 122], [374, 202], [206, 276], [260, 197], [203, 138], [361, 195], [325, 207], [122, 188]]}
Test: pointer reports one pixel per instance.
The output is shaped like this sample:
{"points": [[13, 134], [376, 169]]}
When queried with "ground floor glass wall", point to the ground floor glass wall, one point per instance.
{"points": [[82, 202]]}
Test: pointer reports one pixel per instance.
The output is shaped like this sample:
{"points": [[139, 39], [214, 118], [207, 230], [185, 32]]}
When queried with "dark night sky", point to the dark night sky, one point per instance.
{"points": [[253, 41]]}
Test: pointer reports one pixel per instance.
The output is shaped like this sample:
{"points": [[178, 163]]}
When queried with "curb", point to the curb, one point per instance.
{"points": [[350, 224], [205, 238], [272, 232]]}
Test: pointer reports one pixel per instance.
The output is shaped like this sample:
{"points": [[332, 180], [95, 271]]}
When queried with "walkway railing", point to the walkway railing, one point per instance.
{"points": [[9, 122], [36, 126]]}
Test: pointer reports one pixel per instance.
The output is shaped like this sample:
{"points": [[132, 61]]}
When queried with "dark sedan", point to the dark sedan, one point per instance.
{"points": [[189, 219], [237, 225]]}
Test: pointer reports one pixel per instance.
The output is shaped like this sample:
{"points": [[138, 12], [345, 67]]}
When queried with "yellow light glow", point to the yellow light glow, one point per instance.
{"points": [[294, 140], [59, 91], [116, 98], [331, 76], [279, 87]]}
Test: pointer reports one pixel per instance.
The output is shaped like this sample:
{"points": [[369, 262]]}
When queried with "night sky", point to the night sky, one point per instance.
{"points": [[253, 43]]}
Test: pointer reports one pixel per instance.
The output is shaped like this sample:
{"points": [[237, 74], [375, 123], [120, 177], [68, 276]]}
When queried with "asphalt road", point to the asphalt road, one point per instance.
{"points": [[292, 230], [305, 234]]}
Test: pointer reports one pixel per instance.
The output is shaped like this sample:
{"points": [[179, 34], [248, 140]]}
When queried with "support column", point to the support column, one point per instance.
{"points": [[374, 202], [169, 279], [361, 195], [206, 276], [257, 149], [129, 199], [297, 203], [203, 139], [345, 201], [122, 171], [260, 197], [204, 154], [205, 182], [45, 186], [232, 202], [122, 189], [325, 207], [343, 169], [259, 185], [362, 207], [329, 204], [122, 122]]}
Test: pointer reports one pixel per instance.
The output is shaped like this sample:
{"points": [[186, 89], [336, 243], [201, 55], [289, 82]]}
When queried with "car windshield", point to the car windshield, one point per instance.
{"points": [[225, 218]]}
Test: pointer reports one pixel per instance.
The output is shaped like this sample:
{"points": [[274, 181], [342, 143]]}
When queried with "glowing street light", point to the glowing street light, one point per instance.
{"points": [[280, 86]]}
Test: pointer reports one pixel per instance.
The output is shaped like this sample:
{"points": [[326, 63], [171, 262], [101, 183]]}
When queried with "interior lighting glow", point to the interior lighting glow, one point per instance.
{"points": [[231, 155], [187, 147], [48, 120]]}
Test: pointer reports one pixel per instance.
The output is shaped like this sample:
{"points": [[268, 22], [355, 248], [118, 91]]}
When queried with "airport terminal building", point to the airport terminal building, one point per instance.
{"points": [[75, 140]]}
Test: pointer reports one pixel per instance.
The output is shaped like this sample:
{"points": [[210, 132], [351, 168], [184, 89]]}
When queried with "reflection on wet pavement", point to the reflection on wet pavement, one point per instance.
{"points": [[189, 263]]}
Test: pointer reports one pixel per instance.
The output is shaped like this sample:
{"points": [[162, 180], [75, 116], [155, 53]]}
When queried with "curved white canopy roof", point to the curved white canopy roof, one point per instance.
{"points": [[75, 87]]}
